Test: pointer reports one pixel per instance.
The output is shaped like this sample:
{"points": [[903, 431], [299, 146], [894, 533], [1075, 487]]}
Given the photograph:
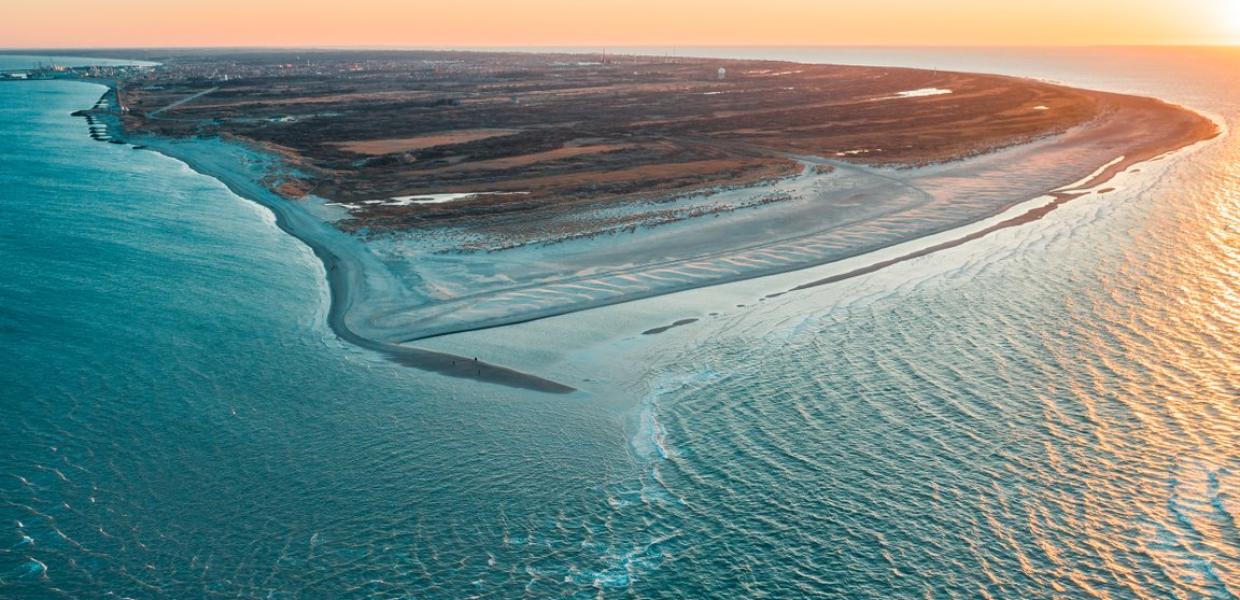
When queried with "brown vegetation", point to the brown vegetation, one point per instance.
{"points": [[408, 144], [569, 130]]}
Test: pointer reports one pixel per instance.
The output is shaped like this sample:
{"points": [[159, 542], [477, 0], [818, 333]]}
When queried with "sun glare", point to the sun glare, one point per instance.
{"points": [[1231, 16]]}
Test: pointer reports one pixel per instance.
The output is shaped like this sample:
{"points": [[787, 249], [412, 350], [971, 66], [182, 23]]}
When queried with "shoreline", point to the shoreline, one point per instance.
{"points": [[354, 275], [345, 275], [344, 267], [1055, 199], [1087, 151]]}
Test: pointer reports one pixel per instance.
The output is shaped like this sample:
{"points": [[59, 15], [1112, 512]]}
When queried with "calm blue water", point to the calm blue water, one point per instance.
{"points": [[1055, 413]]}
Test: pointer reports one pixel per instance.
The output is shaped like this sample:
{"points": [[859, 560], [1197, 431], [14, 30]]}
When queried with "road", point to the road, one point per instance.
{"points": [[184, 100]]}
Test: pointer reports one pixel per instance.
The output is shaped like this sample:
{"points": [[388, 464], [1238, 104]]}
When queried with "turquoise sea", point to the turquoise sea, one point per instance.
{"points": [[1052, 411]]}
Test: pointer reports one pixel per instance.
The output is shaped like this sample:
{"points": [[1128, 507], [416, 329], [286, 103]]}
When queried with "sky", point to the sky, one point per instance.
{"points": [[614, 23]]}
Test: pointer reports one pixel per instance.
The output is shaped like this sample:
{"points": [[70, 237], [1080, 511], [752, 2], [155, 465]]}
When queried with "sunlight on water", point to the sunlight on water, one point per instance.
{"points": [[1051, 411], [1060, 416]]}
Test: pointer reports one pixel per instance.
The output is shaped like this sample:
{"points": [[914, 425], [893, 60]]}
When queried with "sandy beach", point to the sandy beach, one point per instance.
{"points": [[980, 339], [376, 307], [353, 276], [855, 210]]}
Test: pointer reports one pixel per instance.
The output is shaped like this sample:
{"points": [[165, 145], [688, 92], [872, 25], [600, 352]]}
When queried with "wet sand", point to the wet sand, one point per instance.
{"points": [[347, 265], [1030, 216], [371, 308], [881, 208], [1156, 149]]}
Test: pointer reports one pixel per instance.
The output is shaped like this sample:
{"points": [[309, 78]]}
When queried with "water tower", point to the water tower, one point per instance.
{"points": [[723, 73]]}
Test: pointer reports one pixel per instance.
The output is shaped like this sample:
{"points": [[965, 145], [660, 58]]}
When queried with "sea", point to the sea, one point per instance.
{"points": [[1052, 411]]}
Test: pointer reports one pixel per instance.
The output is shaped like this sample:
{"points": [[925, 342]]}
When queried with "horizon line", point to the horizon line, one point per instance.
{"points": [[605, 47]]}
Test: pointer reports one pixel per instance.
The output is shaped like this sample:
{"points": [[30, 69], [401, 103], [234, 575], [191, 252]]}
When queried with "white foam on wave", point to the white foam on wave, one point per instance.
{"points": [[36, 567], [624, 567], [650, 436], [650, 439]]}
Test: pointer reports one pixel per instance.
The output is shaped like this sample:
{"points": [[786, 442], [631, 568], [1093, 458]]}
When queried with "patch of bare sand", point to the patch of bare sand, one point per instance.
{"points": [[536, 157], [430, 140]]}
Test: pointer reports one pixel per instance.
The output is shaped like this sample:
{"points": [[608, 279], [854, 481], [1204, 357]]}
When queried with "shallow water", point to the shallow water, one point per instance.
{"points": [[1051, 411]]}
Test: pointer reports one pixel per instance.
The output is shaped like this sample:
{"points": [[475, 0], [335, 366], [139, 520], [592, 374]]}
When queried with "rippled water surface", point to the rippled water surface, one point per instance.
{"points": [[1052, 411]]}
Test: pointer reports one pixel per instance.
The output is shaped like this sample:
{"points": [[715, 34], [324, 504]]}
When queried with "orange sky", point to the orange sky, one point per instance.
{"points": [[422, 23]]}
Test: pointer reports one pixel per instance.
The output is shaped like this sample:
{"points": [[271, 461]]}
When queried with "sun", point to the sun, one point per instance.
{"points": [[1231, 15]]}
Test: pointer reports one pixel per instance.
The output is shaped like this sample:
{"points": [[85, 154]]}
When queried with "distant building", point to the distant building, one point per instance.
{"points": [[723, 73]]}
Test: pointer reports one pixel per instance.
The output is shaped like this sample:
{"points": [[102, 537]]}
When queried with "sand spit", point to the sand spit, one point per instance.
{"points": [[843, 211], [347, 266], [353, 274], [854, 210]]}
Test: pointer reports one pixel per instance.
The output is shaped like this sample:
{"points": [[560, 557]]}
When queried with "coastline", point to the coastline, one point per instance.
{"points": [[952, 195], [347, 266], [363, 292], [1035, 209], [1039, 402], [741, 312]]}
